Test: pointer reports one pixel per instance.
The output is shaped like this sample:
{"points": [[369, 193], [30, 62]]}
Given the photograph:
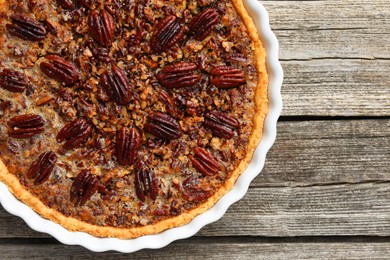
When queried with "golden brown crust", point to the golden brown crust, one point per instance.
{"points": [[76, 225]]}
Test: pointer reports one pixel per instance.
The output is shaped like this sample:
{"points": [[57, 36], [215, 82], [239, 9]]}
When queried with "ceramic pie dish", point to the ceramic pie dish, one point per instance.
{"points": [[93, 198]]}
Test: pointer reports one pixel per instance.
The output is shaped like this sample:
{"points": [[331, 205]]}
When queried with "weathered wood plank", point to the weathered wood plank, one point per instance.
{"points": [[210, 249], [334, 210], [358, 209], [326, 152], [335, 55], [331, 29], [336, 87]]}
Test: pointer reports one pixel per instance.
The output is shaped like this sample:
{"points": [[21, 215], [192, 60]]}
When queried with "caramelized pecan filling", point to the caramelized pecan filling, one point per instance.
{"points": [[124, 113]]}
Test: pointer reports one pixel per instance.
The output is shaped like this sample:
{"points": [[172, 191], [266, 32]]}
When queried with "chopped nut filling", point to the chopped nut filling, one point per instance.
{"points": [[124, 113]]}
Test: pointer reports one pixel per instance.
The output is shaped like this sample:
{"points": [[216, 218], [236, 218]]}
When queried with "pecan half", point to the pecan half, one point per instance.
{"points": [[179, 75], [163, 126], [59, 69], [4, 107], [25, 126], [128, 142], [83, 187], [204, 162], [167, 33], [101, 27], [171, 106], [146, 184], [204, 23], [116, 85], [227, 77], [66, 4], [13, 81], [41, 168], [26, 28], [192, 190], [74, 133], [220, 124]]}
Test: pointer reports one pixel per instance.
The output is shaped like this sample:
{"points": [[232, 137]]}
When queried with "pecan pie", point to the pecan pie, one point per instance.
{"points": [[122, 118]]}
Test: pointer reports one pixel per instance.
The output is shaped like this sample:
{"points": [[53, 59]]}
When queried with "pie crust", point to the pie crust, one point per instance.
{"points": [[74, 224]]}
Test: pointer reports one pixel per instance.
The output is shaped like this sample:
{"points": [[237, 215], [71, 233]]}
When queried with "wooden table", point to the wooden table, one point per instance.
{"points": [[325, 189]]}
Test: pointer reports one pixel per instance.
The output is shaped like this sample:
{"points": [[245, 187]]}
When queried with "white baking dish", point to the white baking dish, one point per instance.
{"points": [[36, 222]]}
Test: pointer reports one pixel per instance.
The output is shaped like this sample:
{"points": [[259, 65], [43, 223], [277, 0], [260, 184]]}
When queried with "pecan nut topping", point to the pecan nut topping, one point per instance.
{"points": [[13, 81], [204, 162], [74, 133], [227, 77], [146, 184], [101, 27], [4, 107], [26, 28], [41, 168], [25, 126], [179, 75], [192, 190], [83, 187], [163, 126], [128, 141], [167, 33], [116, 85], [131, 131], [59, 69], [220, 124], [66, 4], [171, 106], [204, 23]]}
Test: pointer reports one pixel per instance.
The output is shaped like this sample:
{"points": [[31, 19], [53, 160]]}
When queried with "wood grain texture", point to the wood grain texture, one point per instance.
{"points": [[311, 153], [336, 87], [212, 249], [356, 209], [342, 29], [336, 56]]}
